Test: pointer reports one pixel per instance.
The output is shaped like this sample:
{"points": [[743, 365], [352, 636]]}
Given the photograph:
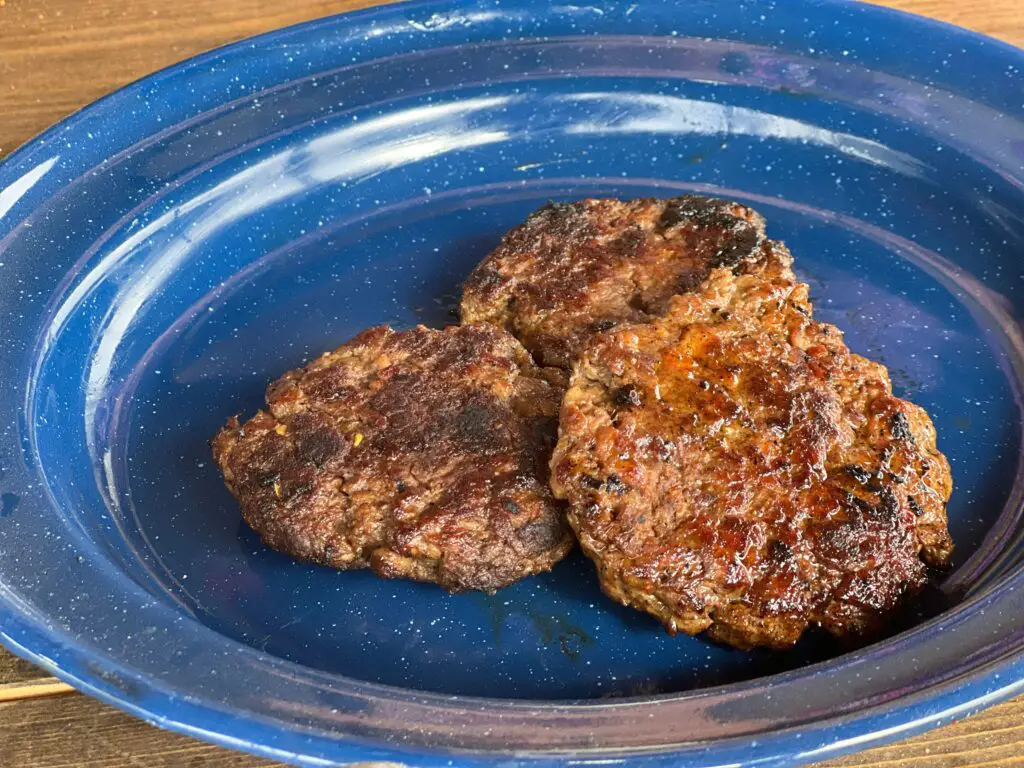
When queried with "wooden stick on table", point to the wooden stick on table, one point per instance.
{"points": [[57, 56]]}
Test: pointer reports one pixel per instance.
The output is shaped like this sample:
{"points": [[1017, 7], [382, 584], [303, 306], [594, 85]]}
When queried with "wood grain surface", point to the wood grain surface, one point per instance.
{"points": [[14, 670], [57, 56]]}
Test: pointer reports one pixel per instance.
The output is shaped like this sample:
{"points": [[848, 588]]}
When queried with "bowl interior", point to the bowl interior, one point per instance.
{"points": [[227, 250]]}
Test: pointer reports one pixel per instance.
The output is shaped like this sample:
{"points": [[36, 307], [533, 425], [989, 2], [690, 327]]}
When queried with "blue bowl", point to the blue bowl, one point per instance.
{"points": [[168, 250]]}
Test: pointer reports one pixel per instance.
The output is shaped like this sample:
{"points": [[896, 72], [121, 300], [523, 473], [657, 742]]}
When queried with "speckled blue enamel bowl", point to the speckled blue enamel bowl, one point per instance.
{"points": [[167, 251]]}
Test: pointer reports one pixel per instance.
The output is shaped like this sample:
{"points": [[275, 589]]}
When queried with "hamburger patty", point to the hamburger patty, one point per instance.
{"points": [[578, 268], [733, 468], [421, 454]]}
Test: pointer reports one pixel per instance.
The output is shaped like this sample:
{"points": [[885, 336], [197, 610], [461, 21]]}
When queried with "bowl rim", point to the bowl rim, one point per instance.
{"points": [[999, 675]]}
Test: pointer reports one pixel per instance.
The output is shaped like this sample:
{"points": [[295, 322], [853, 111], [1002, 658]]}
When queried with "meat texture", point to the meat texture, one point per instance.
{"points": [[421, 454], [575, 269], [733, 468]]}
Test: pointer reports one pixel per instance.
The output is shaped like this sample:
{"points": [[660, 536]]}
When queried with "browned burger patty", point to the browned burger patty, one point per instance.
{"points": [[734, 468], [575, 269], [421, 454]]}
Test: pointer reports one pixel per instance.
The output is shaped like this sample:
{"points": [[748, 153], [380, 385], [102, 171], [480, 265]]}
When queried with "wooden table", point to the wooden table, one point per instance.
{"points": [[58, 55]]}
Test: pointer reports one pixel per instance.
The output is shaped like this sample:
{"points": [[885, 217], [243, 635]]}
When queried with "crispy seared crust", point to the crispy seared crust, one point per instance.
{"points": [[733, 468], [578, 268], [420, 454]]}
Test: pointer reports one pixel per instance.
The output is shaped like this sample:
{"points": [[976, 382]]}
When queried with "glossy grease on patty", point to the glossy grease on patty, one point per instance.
{"points": [[733, 468]]}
